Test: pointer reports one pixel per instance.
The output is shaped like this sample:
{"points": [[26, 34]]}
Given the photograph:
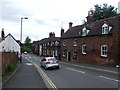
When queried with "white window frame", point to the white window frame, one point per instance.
{"points": [[64, 53], [105, 29], [56, 52], [84, 31], [104, 51], [74, 53], [64, 43], [84, 50], [75, 42]]}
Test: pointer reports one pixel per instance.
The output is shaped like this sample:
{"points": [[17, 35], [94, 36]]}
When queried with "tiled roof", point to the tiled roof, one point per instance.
{"points": [[0, 40], [95, 27], [50, 39]]}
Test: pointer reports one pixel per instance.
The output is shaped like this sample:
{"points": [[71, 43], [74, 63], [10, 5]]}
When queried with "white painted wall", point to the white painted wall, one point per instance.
{"points": [[9, 44]]}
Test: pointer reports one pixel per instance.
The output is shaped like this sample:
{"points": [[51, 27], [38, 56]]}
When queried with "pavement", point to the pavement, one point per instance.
{"points": [[26, 77]]}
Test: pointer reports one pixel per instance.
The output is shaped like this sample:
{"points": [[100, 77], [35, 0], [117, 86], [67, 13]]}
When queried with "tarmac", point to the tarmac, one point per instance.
{"points": [[26, 77]]}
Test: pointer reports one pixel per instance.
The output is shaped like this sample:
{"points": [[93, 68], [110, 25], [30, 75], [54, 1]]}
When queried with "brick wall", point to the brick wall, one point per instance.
{"points": [[93, 44]]}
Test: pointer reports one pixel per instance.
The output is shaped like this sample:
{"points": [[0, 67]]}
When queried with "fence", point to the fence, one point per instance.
{"points": [[8, 58]]}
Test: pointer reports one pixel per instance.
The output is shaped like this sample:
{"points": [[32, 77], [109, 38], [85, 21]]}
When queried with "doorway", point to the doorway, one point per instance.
{"points": [[68, 56]]}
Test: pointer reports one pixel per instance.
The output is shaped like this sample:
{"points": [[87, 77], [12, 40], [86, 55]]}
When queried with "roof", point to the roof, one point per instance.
{"points": [[0, 40], [7, 36], [45, 40], [95, 28]]}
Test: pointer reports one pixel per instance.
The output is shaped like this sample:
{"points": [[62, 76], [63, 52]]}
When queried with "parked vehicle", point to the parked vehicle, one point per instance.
{"points": [[25, 52], [49, 62]]}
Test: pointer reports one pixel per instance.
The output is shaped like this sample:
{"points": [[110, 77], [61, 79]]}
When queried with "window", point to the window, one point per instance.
{"points": [[84, 49], [85, 31], [74, 42], [104, 50], [64, 53], [48, 44], [63, 43], [52, 43], [56, 43], [105, 29], [56, 52], [74, 54]]}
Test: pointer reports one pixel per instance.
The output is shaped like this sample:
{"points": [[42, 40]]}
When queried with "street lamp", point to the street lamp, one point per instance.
{"points": [[21, 38], [21, 28]]}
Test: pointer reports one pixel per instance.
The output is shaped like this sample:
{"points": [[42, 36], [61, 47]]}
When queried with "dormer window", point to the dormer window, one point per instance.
{"points": [[85, 31], [105, 29], [75, 42]]}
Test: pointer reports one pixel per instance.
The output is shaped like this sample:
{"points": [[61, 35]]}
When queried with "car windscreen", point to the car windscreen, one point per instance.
{"points": [[52, 59]]}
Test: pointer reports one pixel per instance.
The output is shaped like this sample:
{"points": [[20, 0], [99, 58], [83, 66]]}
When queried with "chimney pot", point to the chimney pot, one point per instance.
{"points": [[70, 24]]}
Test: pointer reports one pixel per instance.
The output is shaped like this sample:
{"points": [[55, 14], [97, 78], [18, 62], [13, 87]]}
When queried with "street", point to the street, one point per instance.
{"points": [[76, 76]]}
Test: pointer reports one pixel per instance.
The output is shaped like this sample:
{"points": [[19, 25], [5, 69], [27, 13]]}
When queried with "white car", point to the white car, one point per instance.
{"points": [[49, 62]]}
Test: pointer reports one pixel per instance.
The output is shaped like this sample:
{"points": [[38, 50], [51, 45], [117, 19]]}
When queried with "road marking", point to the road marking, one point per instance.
{"points": [[92, 68], [28, 64], [43, 74], [109, 78], [75, 70]]}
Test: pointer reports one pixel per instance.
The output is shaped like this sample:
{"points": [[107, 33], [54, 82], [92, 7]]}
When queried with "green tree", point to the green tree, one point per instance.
{"points": [[27, 45], [27, 40], [103, 11]]}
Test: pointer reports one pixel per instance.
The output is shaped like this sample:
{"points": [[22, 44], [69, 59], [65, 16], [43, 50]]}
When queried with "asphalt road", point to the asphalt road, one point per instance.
{"points": [[79, 76], [26, 77]]}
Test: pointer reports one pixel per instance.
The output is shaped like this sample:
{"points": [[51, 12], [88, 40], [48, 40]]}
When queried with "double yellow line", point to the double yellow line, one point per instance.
{"points": [[46, 77], [98, 69]]}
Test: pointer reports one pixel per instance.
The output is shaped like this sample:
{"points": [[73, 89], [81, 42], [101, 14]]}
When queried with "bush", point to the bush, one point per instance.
{"points": [[10, 68]]}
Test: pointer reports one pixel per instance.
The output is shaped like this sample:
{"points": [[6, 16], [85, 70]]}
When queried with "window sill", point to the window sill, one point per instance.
{"points": [[103, 56]]}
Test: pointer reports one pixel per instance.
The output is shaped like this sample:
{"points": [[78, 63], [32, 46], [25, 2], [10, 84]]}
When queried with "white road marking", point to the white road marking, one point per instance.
{"points": [[109, 78], [75, 70], [28, 64]]}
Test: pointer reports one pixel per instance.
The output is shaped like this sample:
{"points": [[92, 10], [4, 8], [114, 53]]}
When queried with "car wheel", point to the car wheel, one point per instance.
{"points": [[45, 68], [58, 67]]}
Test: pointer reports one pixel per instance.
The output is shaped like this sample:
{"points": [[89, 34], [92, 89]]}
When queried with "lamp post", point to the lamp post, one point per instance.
{"points": [[21, 28], [21, 38]]}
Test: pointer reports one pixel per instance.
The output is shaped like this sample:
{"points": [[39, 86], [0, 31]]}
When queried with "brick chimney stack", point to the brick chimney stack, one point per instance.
{"points": [[62, 32], [70, 24], [51, 34], [2, 33], [89, 18]]}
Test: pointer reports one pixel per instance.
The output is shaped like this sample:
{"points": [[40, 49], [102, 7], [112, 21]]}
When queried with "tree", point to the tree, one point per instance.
{"points": [[27, 45], [103, 11], [27, 40]]}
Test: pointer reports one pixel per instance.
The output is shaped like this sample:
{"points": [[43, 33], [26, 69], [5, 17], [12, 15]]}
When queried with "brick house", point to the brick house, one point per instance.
{"points": [[95, 42], [48, 46]]}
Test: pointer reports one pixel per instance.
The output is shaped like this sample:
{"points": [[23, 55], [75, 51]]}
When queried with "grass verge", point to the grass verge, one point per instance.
{"points": [[8, 72]]}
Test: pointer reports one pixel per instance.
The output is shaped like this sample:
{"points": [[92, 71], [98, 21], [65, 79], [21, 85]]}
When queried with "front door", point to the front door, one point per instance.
{"points": [[68, 56]]}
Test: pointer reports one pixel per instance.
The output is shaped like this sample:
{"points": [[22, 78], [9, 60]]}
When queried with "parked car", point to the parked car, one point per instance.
{"points": [[25, 52], [49, 62]]}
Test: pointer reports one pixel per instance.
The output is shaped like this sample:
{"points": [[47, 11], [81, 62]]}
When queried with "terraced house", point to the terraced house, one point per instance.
{"points": [[48, 46], [93, 42]]}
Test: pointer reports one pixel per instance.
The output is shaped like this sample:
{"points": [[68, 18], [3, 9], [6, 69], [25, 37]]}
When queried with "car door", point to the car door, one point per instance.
{"points": [[43, 62]]}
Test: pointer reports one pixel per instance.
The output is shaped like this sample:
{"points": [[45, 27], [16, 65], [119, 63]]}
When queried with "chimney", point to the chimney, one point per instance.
{"points": [[2, 33], [89, 18], [51, 34], [70, 24], [62, 32]]}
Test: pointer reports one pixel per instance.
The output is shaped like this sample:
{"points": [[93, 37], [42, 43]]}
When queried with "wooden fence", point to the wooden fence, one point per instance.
{"points": [[8, 58]]}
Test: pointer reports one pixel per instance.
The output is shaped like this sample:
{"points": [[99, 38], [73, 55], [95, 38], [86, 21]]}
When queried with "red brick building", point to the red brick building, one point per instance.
{"points": [[48, 46], [93, 42]]}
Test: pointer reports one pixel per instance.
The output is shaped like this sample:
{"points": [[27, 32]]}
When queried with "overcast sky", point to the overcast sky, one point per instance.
{"points": [[44, 16]]}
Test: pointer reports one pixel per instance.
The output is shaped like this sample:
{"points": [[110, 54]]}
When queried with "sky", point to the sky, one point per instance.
{"points": [[44, 16]]}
